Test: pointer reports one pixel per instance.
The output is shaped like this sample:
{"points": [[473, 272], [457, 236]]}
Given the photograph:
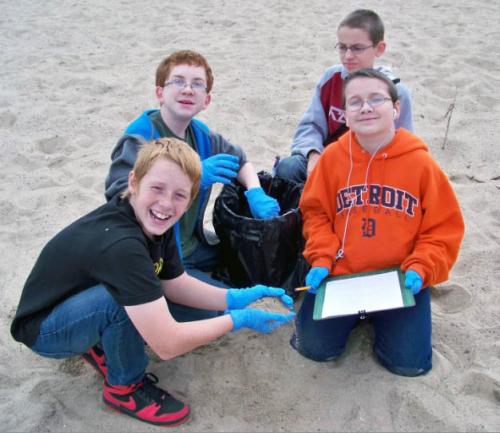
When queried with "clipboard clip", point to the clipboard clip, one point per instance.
{"points": [[362, 314]]}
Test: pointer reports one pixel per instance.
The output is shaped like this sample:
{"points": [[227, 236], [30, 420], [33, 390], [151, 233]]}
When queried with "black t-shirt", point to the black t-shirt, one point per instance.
{"points": [[105, 246]]}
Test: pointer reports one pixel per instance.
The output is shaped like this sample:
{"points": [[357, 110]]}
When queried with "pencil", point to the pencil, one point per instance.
{"points": [[303, 288]]}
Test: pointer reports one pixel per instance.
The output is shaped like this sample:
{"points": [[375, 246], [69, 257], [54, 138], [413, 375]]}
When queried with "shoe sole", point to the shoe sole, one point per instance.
{"points": [[175, 423]]}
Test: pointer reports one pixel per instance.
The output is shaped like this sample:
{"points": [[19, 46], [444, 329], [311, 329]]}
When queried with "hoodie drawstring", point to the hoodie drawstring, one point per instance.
{"points": [[340, 252]]}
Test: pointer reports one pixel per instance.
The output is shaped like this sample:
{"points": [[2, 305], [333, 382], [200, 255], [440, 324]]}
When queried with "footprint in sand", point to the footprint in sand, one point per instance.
{"points": [[479, 383], [466, 179], [51, 145], [495, 217], [56, 149], [8, 210], [73, 366], [294, 106], [410, 404], [87, 181], [451, 298], [7, 119], [444, 358]]}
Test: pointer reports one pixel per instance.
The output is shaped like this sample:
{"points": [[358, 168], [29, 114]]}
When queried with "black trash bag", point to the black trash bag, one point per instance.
{"points": [[258, 251]]}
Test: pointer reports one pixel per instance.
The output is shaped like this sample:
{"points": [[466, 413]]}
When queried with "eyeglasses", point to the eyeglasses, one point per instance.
{"points": [[355, 49], [356, 104], [181, 83]]}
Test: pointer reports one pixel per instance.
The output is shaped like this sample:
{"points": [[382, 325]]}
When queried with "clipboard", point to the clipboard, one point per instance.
{"points": [[362, 293]]}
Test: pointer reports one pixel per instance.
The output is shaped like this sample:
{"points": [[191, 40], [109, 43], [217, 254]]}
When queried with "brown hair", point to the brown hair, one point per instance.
{"points": [[183, 57], [174, 150], [366, 20], [373, 73]]}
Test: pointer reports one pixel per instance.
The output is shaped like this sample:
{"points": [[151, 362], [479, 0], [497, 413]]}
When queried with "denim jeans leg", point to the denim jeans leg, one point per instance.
{"points": [[198, 265], [90, 317], [403, 337], [293, 167], [202, 262], [204, 257], [320, 340]]}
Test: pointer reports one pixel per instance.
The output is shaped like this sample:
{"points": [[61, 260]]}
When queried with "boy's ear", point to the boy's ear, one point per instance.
{"points": [[159, 94], [208, 99], [132, 182], [380, 48], [397, 110]]}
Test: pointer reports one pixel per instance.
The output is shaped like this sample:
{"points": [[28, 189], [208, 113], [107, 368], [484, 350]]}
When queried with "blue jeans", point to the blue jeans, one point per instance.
{"points": [[86, 319], [402, 336], [293, 167]]}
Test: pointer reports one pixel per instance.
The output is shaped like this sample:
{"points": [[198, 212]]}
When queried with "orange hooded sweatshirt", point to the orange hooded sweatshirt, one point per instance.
{"points": [[400, 211]]}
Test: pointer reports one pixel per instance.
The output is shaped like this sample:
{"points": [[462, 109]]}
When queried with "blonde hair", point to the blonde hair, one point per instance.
{"points": [[174, 150]]}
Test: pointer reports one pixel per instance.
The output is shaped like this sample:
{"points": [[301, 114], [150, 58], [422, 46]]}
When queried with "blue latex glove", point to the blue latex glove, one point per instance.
{"points": [[222, 168], [413, 281], [240, 298], [261, 205], [314, 278], [259, 320]]}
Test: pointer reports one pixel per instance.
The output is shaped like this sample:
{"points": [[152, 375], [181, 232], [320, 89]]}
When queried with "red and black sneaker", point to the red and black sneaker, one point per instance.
{"points": [[97, 359], [146, 402]]}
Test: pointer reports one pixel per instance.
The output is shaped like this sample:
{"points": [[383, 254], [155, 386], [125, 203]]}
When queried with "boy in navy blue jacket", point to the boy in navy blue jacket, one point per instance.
{"points": [[184, 81]]}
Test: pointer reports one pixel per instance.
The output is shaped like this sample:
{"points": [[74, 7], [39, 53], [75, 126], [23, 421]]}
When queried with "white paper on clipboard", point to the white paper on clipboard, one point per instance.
{"points": [[372, 292]]}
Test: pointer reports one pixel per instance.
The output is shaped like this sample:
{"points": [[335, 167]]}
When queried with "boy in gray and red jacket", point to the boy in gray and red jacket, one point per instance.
{"points": [[360, 41]]}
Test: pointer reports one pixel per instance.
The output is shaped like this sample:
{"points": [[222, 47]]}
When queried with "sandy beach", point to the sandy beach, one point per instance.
{"points": [[74, 74]]}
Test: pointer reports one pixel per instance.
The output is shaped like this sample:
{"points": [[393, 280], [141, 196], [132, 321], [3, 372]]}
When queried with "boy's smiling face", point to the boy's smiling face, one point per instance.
{"points": [[161, 197], [182, 104], [358, 38], [370, 121]]}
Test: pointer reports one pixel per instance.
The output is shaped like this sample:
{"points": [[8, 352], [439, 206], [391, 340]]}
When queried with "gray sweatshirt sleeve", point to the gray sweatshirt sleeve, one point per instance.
{"points": [[123, 159], [221, 145], [313, 128], [124, 156], [405, 119]]}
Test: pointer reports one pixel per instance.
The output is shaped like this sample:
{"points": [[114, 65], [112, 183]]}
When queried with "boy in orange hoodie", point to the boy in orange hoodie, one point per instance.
{"points": [[377, 199]]}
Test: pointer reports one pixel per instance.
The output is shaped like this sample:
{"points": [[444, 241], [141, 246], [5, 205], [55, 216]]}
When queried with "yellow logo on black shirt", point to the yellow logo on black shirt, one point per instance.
{"points": [[158, 266]]}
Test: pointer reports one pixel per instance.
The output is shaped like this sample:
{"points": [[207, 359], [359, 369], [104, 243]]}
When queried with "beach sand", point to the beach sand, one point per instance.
{"points": [[75, 73]]}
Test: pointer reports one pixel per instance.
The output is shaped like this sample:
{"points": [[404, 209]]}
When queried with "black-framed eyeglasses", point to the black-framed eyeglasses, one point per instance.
{"points": [[355, 49]]}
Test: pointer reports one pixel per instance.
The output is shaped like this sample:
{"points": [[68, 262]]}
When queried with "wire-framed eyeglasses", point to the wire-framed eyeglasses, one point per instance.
{"points": [[355, 49], [180, 83], [355, 104]]}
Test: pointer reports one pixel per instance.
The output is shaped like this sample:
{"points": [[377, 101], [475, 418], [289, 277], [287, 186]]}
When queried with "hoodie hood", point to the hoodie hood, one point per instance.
{"points": [[387, 71], [142, 126], [403, 142], [384, 69]]}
